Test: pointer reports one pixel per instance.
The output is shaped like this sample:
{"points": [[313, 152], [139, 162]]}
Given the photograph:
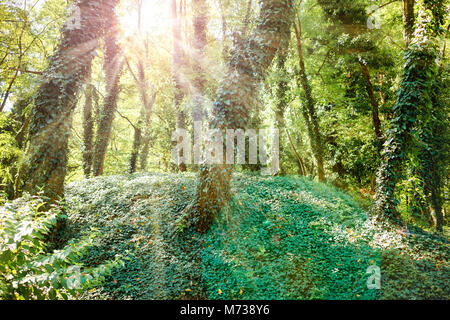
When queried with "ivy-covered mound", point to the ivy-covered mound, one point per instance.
{"points": [[279, 238]]}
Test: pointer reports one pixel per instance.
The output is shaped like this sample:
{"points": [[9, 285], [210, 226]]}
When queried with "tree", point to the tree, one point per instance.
{"points": [[235, 97], [112, 66], [412, 109], [88, 124], [309, 106], [178, 62], [46, 159], [142, 139], [282, 97]]}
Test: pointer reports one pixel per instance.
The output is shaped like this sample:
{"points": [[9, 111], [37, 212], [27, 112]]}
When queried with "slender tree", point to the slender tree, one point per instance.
{"points": [[281, 96], [373, 102], [88, 125], [141, 129], [112, 66], [178, 62], [309, 106]]}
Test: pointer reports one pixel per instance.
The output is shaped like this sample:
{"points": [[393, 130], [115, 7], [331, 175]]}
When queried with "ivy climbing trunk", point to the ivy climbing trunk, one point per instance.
{"points": [[112, 66], [50, 127], [433, 156], [235, 97], [410, 110]]}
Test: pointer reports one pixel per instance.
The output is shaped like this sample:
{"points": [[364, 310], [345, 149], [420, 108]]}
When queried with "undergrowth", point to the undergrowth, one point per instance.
{"points": [[279, 238]]}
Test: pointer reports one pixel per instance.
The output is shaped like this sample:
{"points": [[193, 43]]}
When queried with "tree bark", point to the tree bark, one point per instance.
{"points": [[408, 20], [301, 165], [200, 21]]}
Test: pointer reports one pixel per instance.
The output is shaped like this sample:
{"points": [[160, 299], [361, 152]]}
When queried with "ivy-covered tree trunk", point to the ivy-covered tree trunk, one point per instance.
{"points": [[235, 97], [411, 109], [113, 66], [309, 107], [46, 159], [88, 126]]}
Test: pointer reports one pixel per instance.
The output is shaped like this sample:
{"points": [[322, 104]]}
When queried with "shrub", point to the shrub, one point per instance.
{"points": [[27, 270]]}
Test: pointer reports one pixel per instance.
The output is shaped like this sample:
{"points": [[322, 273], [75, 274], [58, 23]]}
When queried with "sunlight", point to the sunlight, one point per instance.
{"points": [[155, 17]]}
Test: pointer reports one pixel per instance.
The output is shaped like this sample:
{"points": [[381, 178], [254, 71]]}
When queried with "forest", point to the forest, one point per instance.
{"points": [[224, 150]]}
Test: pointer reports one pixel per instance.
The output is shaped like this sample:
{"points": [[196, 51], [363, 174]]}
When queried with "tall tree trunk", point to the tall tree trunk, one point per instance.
{"points": [[235, 97], [200, 21], [147, 104], [88, 126], [46, 159], [310, 112], [135, 149], [146, 137], [281, 97], [410, 109], [112, 66], [177, 65], [408, 20], [300, 162]]}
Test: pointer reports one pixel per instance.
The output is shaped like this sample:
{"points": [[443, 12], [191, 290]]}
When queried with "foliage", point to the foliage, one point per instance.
{"points": [[412, 114], [9, 154], [27, 269], [279, 238]]}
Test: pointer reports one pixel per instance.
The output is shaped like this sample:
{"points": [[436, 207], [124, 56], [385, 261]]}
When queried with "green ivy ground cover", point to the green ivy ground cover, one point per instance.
{"points": [[279, 238]]}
